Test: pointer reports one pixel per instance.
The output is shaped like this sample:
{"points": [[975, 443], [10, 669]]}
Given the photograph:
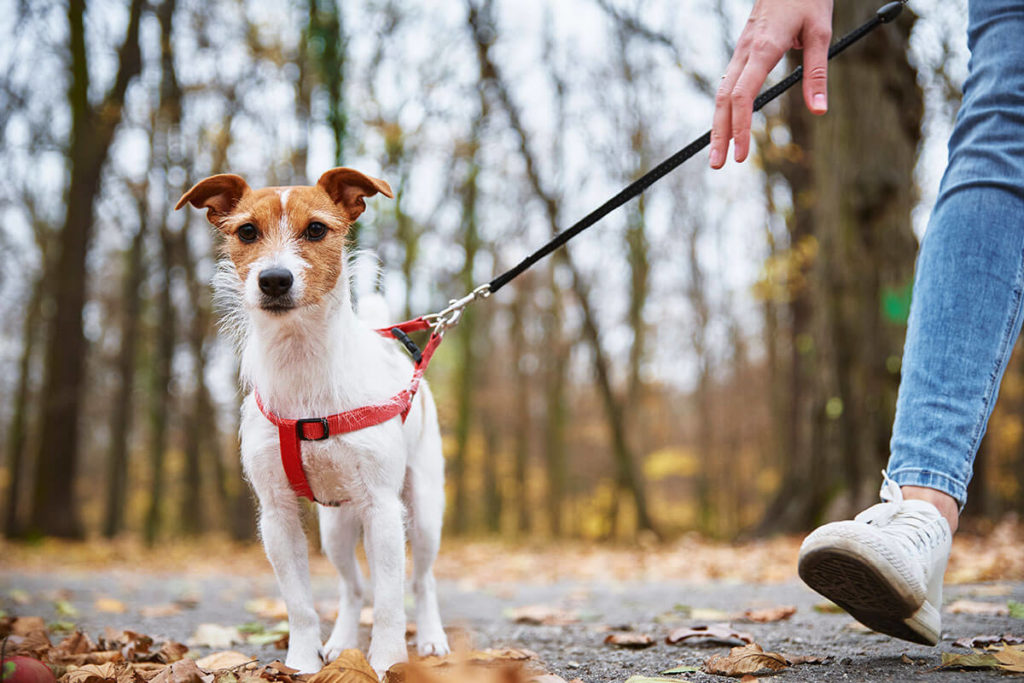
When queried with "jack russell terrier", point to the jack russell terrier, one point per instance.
{"points": [[305, 354]]}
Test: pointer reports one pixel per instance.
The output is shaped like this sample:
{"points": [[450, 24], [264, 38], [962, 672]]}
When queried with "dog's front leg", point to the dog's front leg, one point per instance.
{"points": [[285, 545], [385, 551]]}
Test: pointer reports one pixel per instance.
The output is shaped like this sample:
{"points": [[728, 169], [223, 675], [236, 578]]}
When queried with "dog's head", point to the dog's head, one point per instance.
{"points": [[286, 243]]}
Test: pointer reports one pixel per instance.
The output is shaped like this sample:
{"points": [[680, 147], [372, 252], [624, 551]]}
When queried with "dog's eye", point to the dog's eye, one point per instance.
{"points": [[248, 233], [315, 231]]}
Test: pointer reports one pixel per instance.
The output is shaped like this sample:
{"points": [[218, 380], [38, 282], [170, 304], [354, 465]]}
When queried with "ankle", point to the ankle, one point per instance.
{"points": [[945, 503]]}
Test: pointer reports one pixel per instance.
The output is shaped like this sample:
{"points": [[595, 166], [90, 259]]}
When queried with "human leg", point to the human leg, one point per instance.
{"points": [[886, 566]]}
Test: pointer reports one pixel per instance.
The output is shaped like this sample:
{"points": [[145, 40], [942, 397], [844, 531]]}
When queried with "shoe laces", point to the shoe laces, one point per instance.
{"points": [[906, 519]]}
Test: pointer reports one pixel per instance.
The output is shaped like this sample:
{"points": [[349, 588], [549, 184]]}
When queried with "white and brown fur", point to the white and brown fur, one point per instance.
{"points": [[309, 356]]}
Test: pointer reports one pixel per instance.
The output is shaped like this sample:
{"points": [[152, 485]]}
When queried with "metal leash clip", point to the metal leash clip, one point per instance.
{"points": [[450, 316]]}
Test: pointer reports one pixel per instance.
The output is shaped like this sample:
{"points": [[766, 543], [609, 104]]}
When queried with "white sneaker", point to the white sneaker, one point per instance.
{"points": [[885, 567]]}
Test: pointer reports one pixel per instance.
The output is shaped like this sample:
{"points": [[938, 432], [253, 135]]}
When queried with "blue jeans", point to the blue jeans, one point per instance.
{"points": [[969, 285]]}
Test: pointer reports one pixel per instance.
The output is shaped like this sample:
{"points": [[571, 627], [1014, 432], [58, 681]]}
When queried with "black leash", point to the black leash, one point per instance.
{"points": [[451, 315]]}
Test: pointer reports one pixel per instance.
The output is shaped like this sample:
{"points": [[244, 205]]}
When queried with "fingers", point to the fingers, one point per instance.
{"points": [[762, 59], [721, 126], [816, 39]]}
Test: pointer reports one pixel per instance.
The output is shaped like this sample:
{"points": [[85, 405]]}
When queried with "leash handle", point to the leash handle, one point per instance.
{"points": [[883, 15]]}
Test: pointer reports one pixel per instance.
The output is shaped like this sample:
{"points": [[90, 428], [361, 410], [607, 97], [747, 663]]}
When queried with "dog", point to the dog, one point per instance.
{"points": [[305, 353]]}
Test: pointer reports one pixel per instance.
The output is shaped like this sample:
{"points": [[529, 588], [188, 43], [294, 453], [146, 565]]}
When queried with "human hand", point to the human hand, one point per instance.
{"points": [[774, 27]]}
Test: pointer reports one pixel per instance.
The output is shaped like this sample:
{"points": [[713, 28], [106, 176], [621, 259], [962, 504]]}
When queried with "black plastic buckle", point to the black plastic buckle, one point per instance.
{"points": [[322, 421], [409, 344]]}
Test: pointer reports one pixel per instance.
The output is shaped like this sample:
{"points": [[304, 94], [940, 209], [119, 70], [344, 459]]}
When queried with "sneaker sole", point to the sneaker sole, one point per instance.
{"points": [[875, 600]]}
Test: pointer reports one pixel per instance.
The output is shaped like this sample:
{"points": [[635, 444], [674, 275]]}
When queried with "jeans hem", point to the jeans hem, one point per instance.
{"points": [[908, 476]]}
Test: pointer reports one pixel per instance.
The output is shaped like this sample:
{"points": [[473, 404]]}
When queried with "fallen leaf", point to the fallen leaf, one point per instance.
{"points": [[994, 609], [653, 679], [745, 660], [349, 667], [35, 644], [984, 641], [769, 614], [182, 671], [828, 608], [974, 660], [111, 672], [133, 646], [1016, 609], [713, 634], [24, 626], [542, 615], [100, 657], [171, 651], [108, 605], [215, 636], [223, 659], [65, 608], [75, 644], [169, 609], [1011, 658], [636, 641], [267, 608]]}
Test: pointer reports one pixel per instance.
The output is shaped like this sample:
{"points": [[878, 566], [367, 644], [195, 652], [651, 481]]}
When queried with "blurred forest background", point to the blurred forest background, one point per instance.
{"points": [[722, 356]]}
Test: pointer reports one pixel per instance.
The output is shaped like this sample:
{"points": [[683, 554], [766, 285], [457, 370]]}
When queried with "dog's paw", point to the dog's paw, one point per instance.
{"points": [[307, 659], [439, 647], [383, 658]]}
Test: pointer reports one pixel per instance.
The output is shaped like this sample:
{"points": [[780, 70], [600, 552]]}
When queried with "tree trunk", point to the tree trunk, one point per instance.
{"points": [[121, 415], [17, 434], [522, 420], [853, 191], [160, 381], [54, 511]]}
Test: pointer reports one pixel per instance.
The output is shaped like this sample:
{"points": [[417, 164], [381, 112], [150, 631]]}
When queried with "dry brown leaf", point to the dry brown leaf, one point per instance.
{"points": [[35, 644], [226, 659], [182, 671], [111, 672], [984, 641], [215, 636], [100, 657], [170, 651], [748, 659], [108, 605], [349, 667], [542, 615], [26, 626], [994, 609], [75, 644], [1011, 658], [169, 609], [273, 609], [713, 634], [637, 641], [769, 614]]}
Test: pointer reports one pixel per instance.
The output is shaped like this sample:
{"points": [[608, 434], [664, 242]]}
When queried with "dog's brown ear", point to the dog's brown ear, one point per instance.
{"points": [[218, 194], [347, 187]]}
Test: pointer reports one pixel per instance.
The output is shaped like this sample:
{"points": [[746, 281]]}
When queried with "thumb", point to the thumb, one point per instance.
{"points": [[816, 69]]}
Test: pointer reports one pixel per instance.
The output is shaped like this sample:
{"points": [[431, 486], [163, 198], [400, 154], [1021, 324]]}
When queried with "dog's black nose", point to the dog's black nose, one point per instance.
{"points": [[275, 281]]}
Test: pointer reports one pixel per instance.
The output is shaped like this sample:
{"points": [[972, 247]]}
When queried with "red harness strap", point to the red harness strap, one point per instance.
{"points": [[291, 433]]}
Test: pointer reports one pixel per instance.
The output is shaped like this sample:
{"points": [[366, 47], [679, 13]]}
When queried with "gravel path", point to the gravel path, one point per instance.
{"points": [[572, 651]]}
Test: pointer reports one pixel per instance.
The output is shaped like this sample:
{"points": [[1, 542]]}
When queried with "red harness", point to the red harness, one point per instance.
{"points": [[291, 433]]}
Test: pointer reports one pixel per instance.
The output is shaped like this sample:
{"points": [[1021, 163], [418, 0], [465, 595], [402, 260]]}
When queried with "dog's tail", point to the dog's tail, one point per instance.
{"points": [[373, 310]]}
